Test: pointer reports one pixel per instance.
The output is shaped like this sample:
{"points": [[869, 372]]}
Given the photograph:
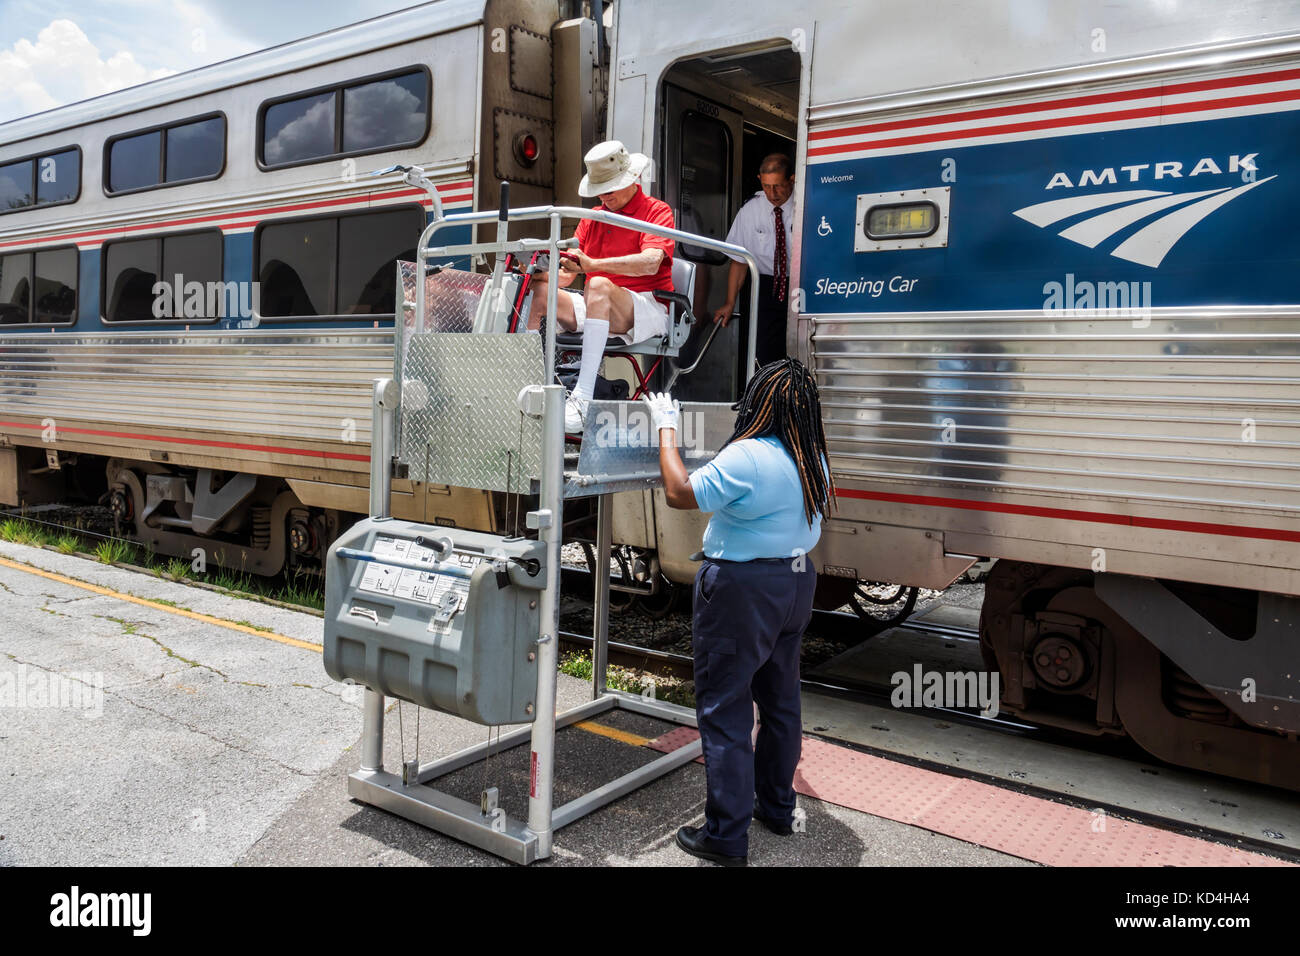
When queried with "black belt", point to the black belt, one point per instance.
{"points": [[701, 556]]}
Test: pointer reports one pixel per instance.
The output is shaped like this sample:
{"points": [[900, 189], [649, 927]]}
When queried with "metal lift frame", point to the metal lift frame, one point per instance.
{"points": [[407, 794]]}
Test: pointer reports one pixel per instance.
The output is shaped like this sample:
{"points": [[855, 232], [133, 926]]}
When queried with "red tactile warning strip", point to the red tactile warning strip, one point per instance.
{"points": [[1015, 823]]}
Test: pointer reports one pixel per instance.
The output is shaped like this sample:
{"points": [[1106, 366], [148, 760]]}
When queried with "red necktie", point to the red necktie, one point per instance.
{"points": [[780, 277]]}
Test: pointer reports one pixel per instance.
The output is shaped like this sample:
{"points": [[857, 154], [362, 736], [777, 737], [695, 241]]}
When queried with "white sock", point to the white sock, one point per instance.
{"points": [[594, 334]]}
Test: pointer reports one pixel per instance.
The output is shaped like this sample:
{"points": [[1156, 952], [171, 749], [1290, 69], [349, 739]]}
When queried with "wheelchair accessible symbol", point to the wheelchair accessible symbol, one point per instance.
{"points": [[823, 227]]}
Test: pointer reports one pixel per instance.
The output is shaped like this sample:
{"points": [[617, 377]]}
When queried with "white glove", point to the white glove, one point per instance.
{"points": [[664, 409]]}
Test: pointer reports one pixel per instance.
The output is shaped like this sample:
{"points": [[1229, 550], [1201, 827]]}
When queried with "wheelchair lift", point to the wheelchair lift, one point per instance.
{"points": [[466, 622]]}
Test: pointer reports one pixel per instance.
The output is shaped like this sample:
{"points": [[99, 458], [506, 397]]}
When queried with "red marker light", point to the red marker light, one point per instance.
{"points": [[526, 148]]}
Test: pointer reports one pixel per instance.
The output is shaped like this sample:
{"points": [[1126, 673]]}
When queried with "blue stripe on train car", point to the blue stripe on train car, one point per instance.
{"points": [[237, 267], [1245, 251]]}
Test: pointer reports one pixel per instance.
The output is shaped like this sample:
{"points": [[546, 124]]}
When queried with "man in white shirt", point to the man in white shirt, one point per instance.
{"points": [[764, 226]]}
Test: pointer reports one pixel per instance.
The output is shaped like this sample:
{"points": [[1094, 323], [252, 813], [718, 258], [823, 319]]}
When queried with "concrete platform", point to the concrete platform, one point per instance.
{"points": [[203, 730], [147, 722], [1130, 783]]}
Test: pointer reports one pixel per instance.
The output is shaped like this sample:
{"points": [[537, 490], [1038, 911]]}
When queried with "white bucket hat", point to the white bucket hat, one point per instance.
{"points": [[610, 167]]}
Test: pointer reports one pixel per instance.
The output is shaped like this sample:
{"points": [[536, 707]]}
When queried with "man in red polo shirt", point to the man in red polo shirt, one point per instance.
{"points": [[623, 269]]}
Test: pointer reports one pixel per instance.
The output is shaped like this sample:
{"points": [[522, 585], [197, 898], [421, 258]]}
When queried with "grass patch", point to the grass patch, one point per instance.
{"points": [[303, 589], [67, 544], [176, 567], [114, 551], [668, 689], [232, 582], [22, 531]]}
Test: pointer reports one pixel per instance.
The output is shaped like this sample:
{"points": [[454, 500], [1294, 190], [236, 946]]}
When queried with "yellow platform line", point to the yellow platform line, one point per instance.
{"points": [[179, 612], [613, 734]]}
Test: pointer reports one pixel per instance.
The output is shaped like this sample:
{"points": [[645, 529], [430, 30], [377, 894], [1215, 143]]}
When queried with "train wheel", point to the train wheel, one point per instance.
{"points": [[873, 592], [883, 604]]}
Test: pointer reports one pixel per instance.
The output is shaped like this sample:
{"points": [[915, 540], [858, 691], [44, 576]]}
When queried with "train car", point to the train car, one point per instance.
{"points": [[1045, 270], [196, 274]]}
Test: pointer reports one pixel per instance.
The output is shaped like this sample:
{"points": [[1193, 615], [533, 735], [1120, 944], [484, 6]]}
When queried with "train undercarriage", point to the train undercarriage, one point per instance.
{"points": [[1196, 675]]}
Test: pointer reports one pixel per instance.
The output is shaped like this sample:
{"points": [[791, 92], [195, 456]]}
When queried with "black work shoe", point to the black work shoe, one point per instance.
{"points": [[694, 841], [780, 829]]}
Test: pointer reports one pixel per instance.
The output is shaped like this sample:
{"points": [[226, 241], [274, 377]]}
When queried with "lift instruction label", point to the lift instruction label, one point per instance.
{"points": [[427, 587]]}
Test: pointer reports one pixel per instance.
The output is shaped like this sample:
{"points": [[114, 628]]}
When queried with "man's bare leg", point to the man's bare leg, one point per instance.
{"points": [[609, 309], [565, 320]]}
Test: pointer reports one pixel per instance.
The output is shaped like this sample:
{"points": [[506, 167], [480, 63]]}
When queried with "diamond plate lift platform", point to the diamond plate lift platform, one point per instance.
{"points": [[481, 410]]}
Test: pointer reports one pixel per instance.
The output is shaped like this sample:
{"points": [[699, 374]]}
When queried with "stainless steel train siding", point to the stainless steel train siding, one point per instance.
{"points": [[1076, 434], [295, 403]]}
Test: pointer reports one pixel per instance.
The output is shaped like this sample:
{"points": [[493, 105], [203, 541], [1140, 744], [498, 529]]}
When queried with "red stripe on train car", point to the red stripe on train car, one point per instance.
{"points": [[459, 195], [1070, 514], [200, 442], [1231, 102], [1072, 102]]}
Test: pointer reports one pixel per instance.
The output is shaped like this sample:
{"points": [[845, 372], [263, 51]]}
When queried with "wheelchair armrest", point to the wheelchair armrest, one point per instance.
{"points": [[678, 299]]}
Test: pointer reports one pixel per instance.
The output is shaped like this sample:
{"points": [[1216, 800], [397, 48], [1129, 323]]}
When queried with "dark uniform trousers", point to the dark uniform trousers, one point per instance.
{"points": [[770, 344], [749, 620]]}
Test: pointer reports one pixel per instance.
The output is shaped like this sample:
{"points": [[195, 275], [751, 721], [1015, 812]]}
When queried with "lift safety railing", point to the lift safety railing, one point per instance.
{"points": [[555, 216], [408, 795]]}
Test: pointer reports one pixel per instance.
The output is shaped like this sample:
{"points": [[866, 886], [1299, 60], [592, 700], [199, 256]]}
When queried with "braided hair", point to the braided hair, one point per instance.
{"points": [[781, 399]]}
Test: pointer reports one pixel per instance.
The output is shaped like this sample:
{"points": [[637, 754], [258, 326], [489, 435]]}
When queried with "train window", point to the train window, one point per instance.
{"points": [[298, 131], [168, 155], [195, 256], [16, 288], [334, 266], [130, 271], [38, 287], [385, 113], [366, 257], [16, 185], [47, 179], [58, 177], [133, 267], [365, 116], [134, 162], [196, 150], [705, 189], [296, 267], [54, 286]]}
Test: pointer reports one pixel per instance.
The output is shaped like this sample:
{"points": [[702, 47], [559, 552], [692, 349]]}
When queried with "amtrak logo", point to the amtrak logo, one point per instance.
{"points": [[1150, 244]]}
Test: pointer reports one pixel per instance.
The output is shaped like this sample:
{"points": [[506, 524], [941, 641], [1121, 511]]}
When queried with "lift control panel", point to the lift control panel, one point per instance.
{"points": [[441, 617]]}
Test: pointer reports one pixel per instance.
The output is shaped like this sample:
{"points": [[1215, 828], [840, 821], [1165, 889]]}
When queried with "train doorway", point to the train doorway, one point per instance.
{"points": [[722, 114]]}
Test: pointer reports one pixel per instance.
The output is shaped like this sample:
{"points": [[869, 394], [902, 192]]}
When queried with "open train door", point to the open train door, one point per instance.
{"points": [[721, 114], [701, 163]]}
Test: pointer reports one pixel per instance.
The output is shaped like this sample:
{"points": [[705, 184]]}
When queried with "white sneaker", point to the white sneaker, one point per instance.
{"points": [[575, 415]]}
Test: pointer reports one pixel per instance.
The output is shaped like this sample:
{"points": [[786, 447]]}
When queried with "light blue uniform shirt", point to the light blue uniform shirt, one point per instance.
{"points": [[752, 488]]}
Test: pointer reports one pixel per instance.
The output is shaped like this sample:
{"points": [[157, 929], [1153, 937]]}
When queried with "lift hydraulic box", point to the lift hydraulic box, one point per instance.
{"points": [[441, 617]]}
